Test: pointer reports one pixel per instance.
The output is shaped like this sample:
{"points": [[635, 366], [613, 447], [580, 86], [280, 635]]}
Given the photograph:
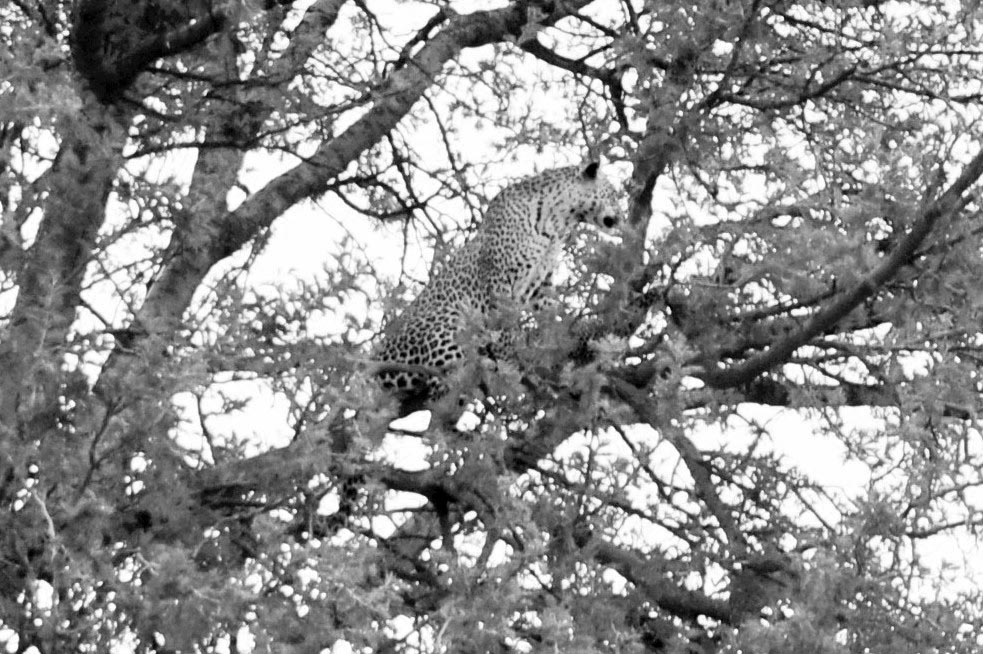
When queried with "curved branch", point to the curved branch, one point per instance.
{"points": [[108, 78], [694, 460], [610, 77], [172, 292], [827, 318], [404, 88], [236, 118], [295, 464], [683, 603]]}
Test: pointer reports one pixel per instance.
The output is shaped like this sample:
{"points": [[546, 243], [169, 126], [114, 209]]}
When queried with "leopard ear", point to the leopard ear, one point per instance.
{"points": [[590, 170]]}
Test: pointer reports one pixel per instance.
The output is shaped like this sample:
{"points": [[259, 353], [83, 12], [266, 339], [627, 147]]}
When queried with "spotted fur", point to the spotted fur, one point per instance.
{"points": [[509, 259]]}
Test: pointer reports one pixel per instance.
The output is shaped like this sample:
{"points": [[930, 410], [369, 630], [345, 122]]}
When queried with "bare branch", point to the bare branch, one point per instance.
{"points": [[696, 464], [611, 78]]}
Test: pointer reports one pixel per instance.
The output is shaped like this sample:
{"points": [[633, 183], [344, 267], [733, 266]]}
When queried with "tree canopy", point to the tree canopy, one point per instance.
{"points": [[193, 461]]}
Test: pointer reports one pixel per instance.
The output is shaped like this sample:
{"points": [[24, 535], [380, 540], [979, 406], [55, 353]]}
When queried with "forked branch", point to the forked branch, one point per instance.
{"points": [[109, 74], [944, 207]]}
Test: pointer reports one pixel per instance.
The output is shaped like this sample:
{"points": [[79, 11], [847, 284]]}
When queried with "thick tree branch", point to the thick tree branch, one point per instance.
{"points": [[51, 274], [237, 115], [296, 463], [403, 89], [655, 153], [644, 574], [305, 38], [422, 35], [694, 461], [172, 292], [779, 352], [168, 44], [109, 74]]}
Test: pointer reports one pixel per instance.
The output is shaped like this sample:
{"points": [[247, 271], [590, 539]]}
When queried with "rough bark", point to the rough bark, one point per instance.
{"points": [[50, 277], [936, 211], [176, 284], [111, 44]]}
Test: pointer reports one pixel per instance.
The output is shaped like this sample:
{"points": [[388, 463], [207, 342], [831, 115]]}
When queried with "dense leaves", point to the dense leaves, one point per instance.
{"points": [[748, 424]]}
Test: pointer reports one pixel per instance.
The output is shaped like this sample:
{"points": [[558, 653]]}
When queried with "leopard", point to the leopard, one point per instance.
{"points": [[510, 259]]}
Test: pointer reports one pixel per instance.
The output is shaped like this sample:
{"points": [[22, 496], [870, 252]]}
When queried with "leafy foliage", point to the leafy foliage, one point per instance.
{"points": [[747, 425]]}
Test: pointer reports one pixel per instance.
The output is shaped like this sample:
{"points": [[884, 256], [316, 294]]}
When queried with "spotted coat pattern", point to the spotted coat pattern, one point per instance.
{"points": [[510, 258]]}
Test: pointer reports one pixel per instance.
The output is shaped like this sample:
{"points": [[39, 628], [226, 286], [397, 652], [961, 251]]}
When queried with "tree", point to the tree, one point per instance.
{"points": [[803, 242]]}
